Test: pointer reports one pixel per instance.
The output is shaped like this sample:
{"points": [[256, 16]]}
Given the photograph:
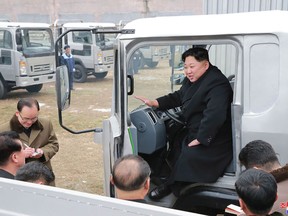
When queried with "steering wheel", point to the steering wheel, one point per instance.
{"points": [[174, 117]]}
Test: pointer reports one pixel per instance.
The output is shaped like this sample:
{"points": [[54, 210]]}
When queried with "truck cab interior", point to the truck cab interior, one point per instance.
{"points": [[156, 130]]}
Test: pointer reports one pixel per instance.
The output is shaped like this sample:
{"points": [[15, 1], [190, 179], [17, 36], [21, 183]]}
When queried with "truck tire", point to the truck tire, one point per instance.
{"points": [[3, 90], [151, 64], [80, 75], [101, 75], [34, 88]]}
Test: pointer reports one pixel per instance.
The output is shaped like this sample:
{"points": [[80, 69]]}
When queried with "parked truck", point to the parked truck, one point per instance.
{"points": [[252, 55], [93, 53], [26, 56]]}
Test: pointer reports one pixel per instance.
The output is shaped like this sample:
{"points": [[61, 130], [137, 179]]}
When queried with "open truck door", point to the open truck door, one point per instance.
{"points": [[109, 135]]}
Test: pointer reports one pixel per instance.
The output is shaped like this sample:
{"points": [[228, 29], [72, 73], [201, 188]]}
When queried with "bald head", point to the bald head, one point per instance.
{"points": [[130, 172]]}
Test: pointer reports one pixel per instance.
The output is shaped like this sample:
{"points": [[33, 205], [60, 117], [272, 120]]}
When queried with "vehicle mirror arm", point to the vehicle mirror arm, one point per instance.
{"points": [[96, 130]]}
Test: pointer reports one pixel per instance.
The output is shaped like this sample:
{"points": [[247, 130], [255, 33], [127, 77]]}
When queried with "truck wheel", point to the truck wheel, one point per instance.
{"points": [[101, 75], [142, 62], [3, 90], [80, 74], [34, 88], [151, 64]]}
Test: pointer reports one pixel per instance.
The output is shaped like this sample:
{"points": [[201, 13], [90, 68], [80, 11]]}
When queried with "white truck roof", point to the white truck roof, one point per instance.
{"points": [[89, 25], [198, 25], [23, 25]]}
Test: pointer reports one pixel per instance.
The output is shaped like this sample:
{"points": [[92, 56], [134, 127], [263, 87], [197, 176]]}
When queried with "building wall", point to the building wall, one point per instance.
{"points": [[95, 10], [236, 6]]}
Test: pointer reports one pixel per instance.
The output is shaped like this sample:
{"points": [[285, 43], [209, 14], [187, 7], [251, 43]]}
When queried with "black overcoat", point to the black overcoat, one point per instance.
{"points": [[206, 106]]}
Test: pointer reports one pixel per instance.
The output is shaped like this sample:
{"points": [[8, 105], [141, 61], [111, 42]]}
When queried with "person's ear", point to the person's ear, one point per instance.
{"points": [[14, 157], [111, 180], [147, 184], [242, 205], [206, 65], [276, 197]]}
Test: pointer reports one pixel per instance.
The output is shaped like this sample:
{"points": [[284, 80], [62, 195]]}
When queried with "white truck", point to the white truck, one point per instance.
{"points": [[28, 199], [93, 53], [249, 48], [26, 56]]}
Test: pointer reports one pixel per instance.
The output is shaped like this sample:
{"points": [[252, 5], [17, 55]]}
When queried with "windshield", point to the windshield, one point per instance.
{"points": [[105, 41], [36, 41]]}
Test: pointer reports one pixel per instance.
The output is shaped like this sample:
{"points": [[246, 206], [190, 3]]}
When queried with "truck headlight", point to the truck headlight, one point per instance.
{"points": [[100, 58], [22, 68]]}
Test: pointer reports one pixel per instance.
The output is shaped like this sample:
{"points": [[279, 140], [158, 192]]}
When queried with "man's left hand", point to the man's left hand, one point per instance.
{"points": [[193, 143]]}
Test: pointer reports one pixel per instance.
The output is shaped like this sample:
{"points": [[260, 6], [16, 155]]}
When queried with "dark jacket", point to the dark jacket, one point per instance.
{"points": [[5, 174], [206, 106]]}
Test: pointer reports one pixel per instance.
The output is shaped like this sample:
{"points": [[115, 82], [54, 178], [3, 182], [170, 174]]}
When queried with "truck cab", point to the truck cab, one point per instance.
{"points": [[93, 53], [26, 56], [253, 58]]}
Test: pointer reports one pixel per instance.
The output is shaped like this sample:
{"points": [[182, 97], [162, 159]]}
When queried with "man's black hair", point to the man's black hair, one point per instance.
{"points": [[258, 153], [199, 53], [7, 146], [33, 171], [29, 102], [258, 190]]}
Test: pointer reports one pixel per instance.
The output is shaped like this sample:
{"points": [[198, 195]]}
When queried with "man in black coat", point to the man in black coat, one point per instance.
{"points": [[205, 98]]}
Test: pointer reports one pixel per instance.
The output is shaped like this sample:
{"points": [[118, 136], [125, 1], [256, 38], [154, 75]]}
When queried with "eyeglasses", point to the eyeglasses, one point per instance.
{"points": [[28, 119]]}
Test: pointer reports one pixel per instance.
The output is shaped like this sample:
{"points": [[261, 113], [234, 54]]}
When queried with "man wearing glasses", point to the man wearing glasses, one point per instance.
{"points": [[36, 133]]}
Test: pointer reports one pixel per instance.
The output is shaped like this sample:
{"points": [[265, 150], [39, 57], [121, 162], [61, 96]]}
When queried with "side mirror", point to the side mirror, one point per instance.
{"points": [[18, 37], [62, 88]]}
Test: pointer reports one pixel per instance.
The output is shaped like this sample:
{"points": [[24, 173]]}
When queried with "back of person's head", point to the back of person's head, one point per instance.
{"points": [[11, 134], [259, 153], [7, 147], [199, 53], [130, 172], [35, 172], [28, 102], [258, 190]]}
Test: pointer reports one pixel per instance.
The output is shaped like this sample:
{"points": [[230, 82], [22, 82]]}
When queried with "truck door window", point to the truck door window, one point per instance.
{"points": [[84, 37], [264, 76], [153, 66], [6, 43]]}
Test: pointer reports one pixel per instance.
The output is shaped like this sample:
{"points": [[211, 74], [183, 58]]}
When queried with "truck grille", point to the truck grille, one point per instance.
{"points": [[163, 51], [109, 59], [41, 67]]}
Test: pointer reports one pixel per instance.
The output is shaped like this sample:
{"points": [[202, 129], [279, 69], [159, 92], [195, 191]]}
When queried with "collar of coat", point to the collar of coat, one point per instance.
{"points": [[16, 126], [281, 174], [65, 56]]}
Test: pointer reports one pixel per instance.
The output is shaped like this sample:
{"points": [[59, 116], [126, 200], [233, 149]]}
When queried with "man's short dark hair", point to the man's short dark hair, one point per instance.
{"points": [[258, 153], [199, 53], [66, 46], [29, 102], [11, 134], [34, 171], [257, 189], [7, 146], [130, 172]]}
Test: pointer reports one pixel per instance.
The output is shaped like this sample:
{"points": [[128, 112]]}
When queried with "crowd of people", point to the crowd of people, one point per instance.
{"points": [[28, 143]]}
